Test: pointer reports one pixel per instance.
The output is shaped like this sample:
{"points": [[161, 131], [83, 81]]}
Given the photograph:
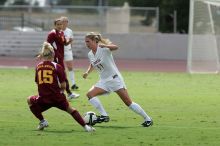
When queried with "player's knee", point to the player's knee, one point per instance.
{"points": [[70, 109], [127, 101], [29, 100], [89, 95]]}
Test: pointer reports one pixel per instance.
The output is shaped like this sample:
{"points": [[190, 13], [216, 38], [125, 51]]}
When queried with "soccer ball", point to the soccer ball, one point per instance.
{"points": [[90, 118]]}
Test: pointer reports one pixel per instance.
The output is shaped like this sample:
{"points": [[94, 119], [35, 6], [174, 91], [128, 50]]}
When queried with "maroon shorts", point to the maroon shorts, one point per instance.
{"points": [[47, 102]]}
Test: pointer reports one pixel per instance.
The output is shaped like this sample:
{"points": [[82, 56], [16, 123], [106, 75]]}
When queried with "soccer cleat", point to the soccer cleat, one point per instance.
{"points": [[74, 87], [72, 96], [147, 123], [42, 125], [89, 128], [101, 119]]}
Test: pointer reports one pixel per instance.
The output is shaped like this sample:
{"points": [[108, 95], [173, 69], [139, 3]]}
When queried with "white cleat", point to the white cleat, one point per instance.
{"points": [[73, 96], [42, 125], [89, 128]]}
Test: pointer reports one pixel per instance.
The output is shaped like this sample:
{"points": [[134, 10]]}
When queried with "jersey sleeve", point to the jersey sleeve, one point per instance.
{"points": [[89, 56], [107, 50], [61, 73], [50, 38], [71, 34]]}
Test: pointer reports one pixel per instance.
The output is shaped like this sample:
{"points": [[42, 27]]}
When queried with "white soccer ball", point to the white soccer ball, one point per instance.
{"points": [[90, 118]]}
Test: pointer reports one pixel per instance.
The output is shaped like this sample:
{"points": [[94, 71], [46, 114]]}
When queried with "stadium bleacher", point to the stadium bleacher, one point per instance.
{"points": [[27, 44]]}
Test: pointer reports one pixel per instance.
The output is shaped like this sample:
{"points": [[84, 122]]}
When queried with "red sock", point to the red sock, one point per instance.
{"points": [[37, 112], [75, 114]]}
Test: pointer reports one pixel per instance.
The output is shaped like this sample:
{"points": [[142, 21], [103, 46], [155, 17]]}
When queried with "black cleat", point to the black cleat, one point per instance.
{"points": [[102, 118], [147, 123], [74, 87]]}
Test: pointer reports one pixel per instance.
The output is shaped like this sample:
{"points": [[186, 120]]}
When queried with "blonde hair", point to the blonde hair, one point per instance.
{"points": [[47, 51], [57, 20], [63, 18], [98, 38]]}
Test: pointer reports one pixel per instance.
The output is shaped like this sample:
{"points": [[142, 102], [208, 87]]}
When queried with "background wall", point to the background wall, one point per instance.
{"points": [[132, 46], [151, 46]]}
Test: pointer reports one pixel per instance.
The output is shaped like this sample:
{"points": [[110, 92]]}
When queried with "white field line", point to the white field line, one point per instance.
{"points": [[14, 67]]}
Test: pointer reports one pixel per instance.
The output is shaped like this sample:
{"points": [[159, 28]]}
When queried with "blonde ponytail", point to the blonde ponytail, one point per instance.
{"points": [[47, 51], [98, 38]]}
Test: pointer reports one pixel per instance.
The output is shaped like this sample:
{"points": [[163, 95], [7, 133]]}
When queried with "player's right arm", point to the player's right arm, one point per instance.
{"points": [[90, 69], [61, 76], [50, 38], [63, 86], [68, 41]]}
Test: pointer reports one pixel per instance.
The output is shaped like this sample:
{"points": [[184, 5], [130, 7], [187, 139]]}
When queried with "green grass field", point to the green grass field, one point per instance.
{"points": [[185, 109]]}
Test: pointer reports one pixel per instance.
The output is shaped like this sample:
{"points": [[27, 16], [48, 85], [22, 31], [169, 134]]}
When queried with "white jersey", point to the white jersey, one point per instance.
{"points": [[68, 33], [104, 63]]}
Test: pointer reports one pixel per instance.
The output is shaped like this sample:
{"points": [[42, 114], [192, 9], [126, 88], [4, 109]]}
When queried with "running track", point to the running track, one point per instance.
{"points": [[123, 64]]}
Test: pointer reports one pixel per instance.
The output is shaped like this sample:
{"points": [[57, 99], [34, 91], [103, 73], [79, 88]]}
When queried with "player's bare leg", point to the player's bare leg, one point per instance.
{"points": [[69, 65], [94, 100], [123, 94]]}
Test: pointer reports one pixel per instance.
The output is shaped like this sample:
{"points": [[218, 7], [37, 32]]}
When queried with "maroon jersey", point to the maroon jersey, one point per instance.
{"points": [[48, 77], [57, 40]]}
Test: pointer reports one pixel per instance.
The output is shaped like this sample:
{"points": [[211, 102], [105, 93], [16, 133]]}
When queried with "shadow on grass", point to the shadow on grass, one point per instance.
{"points": [[57, 131], [47, 130], [114, 127]]}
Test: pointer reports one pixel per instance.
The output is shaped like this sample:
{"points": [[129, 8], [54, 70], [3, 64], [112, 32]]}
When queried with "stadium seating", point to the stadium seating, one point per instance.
{"points": [[28, 44]]}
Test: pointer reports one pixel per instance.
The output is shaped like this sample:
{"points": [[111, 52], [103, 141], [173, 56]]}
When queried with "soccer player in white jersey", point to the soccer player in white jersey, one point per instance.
{"points": [[68, 54], [101, 59]]}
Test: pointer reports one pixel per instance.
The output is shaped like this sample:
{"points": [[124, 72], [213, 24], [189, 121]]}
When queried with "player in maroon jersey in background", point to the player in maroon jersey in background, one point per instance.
{"points": [[50, 78], [57, 39]]}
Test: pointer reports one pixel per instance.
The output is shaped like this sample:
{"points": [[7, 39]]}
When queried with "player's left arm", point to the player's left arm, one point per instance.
{"points": [[111, 47]]}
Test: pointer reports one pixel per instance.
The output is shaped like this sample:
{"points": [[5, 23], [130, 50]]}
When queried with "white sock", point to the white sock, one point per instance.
{"points": [[72, 77], [137, 109], [98, 105]]}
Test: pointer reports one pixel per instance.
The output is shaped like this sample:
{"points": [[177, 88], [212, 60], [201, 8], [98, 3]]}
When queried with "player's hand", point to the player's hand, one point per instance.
{"points": [[102, 45], [85, 75], [70, 39]]}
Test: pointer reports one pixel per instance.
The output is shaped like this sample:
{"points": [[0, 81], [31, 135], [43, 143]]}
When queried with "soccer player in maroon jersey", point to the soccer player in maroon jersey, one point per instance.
{"points": [[57, 39], [50, 78]]}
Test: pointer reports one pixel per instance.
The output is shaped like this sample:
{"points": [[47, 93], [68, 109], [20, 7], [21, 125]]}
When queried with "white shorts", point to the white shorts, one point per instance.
{"points": [[111, 85], [68, 55]]}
